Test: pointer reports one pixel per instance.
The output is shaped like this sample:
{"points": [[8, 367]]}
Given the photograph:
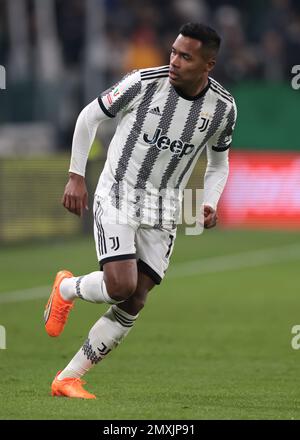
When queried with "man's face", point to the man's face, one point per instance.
{"points": [[188, 64]]}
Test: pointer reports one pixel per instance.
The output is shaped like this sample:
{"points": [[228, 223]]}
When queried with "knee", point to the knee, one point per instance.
{"points": [[120, 288]]}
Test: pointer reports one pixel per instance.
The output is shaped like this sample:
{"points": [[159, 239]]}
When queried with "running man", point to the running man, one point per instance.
{"points": [[168, 116]]}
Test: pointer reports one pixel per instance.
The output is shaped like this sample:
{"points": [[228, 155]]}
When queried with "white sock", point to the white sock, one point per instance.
{"points": [[89, 287], [106, 334]]}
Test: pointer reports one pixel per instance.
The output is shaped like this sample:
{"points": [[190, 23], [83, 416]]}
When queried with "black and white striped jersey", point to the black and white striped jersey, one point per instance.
{"points": [[161, 133]]}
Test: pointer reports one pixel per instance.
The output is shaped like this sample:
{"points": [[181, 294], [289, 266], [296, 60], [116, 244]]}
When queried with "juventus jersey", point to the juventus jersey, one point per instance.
{"points": [[159, 138]]}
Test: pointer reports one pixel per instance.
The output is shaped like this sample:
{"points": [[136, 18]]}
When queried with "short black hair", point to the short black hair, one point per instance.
{"points": [[209, 38]]}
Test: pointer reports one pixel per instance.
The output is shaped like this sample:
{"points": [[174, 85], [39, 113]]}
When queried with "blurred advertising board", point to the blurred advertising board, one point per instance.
{"points": [[30, 199], [262, 191]]}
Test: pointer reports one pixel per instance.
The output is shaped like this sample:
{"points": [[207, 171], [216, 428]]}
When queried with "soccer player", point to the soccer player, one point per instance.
{"points": [[168, 116]]}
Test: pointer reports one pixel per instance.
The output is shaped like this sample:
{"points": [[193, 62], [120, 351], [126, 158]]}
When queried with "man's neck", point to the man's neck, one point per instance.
{"points": [[194, 90]]}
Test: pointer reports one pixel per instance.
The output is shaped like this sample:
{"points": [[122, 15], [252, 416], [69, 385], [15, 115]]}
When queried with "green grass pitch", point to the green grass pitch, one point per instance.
{"points": [[213, 345]]}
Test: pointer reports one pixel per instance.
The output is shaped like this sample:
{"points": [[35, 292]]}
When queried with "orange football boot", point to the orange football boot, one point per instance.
{"points": [[57, 309], [70, 387]]}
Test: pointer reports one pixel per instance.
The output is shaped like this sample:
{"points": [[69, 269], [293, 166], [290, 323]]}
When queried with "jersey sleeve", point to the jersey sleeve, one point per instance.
{"points": [[223, 140], [84, 134], [216, 175], [119, 97]]}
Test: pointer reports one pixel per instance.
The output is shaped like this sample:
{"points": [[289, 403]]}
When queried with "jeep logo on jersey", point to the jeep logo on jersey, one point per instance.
{"points": [[176, 147]]}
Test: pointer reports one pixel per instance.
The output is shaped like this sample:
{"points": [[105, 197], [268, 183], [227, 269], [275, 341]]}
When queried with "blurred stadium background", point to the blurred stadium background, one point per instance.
{"points": [[58, 56]]}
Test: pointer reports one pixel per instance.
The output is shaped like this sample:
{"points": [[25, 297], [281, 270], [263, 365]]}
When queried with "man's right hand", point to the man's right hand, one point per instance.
{"points": [[75, 198]]}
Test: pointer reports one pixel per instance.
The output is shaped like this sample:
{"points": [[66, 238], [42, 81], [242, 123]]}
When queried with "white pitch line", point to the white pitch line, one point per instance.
{"points": [[195, 267], [236, 261], [25, 294]]}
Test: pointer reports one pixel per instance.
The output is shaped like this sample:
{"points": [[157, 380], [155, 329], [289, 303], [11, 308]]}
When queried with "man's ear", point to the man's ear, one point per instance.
{"points": [[210, 64]]}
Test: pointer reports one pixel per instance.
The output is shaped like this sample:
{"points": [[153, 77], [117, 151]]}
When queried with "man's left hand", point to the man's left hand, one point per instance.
{"points": [[210, 217]]}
